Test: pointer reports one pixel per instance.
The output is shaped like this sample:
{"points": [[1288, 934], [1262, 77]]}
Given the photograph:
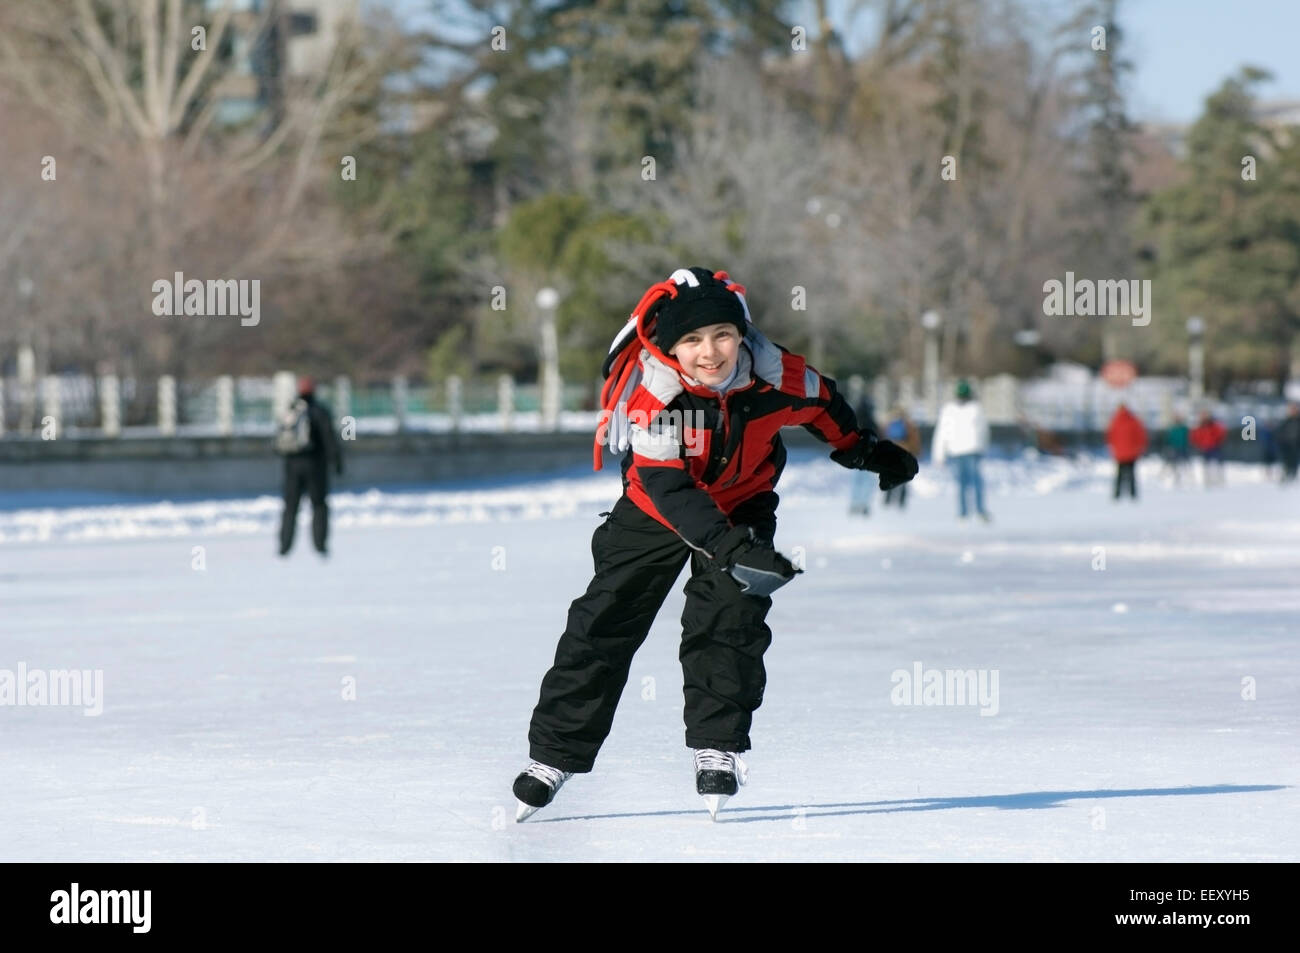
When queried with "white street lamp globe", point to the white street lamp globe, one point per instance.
{"points": [[1195, 326], [931, 320], [548, 298]]}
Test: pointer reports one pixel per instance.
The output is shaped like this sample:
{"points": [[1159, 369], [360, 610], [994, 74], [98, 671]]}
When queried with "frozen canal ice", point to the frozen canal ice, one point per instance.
{"points": [[1139, 662]]}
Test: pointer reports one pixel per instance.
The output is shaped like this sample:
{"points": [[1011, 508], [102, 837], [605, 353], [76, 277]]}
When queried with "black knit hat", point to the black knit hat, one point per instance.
{"points": [[697, 306]]}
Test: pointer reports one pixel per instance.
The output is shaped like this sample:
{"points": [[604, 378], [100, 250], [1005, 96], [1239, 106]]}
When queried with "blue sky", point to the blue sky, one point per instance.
{"points": [[1181, 50]]}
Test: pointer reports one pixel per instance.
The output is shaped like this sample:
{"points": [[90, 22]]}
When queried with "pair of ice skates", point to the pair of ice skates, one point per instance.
{"points": [[718, 775]]}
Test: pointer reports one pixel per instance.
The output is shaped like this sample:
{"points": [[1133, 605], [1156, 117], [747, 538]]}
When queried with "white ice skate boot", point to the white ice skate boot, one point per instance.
{"points": [[536, 786], [718, 775]]}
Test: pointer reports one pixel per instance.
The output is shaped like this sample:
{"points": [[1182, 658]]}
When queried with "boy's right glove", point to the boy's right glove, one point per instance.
{"points": [[894, 464], [758, 568]]}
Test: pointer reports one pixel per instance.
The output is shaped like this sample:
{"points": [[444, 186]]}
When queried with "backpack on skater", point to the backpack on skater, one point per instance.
{"points": [[294, 435]]}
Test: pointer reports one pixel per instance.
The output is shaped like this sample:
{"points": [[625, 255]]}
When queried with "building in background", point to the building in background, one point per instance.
{"points": [[1166, 142], [272, 43]]}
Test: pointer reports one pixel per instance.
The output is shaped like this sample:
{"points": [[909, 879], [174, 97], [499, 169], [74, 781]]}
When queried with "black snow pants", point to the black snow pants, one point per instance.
{"points": [[1124, 477], [305, 473], [724, 636]]}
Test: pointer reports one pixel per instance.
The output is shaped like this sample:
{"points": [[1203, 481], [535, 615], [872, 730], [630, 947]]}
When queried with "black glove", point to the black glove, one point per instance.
{"points": [[758, 569], [894, 464]]}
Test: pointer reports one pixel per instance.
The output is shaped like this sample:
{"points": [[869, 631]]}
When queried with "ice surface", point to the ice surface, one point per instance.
{"points": [[1121, 732]]}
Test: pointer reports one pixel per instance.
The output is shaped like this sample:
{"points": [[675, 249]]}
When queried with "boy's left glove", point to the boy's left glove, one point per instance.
{"points": [[894, 464], [758, 569]]}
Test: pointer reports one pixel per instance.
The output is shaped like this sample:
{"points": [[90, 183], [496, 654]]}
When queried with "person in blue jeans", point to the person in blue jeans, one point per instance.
{"points": [[969, 480], [961, 437], [860, 495], [864, 485]]}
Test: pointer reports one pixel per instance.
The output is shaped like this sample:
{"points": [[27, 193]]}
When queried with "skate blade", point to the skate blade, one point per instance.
{"points": [[524, 811], [714, 803]]}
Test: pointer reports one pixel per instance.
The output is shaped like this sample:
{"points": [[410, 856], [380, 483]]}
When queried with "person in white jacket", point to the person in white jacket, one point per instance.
{"points": [[960, 438]]}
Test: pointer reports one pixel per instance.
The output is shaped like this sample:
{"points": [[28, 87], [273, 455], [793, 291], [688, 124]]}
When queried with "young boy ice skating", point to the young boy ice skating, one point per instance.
{"points": [[700, 397]]}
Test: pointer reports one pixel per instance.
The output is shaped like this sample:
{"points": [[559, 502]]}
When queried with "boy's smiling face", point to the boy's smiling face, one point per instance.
{"points": [[708, 354]]}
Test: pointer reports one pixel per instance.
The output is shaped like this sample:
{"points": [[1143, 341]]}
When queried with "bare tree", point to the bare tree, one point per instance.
{"points": [[128, 93]]}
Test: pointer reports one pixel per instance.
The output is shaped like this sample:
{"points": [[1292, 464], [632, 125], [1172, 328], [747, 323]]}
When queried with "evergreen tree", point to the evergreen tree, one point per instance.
{"points": [[1227, 241]]}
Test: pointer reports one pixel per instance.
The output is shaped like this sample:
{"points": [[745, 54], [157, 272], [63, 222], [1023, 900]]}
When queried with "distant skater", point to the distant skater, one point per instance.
{"points": [[961, 437], [310, 449], [903, 432], [864, 484], [1287, 436], [1127, 439], [1208, 437], [1177, 442]]}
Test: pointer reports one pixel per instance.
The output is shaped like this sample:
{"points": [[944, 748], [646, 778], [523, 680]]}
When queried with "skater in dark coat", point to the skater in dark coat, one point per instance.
{"points": [[1287, 436], [311, 450], [1176, 449], [695, 397]]}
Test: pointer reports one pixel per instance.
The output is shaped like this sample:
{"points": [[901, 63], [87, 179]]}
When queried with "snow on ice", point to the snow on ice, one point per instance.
{"points": [[1115, 681]]}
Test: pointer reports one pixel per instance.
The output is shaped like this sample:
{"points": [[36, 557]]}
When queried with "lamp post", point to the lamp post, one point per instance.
{"points": [[1029, 339], [821, 226], [931, 321], [547, 301], [1195, 359], [27, 361]]}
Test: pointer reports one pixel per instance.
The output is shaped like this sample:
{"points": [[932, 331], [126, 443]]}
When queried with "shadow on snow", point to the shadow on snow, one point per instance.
{"points": [[1030, 800]]}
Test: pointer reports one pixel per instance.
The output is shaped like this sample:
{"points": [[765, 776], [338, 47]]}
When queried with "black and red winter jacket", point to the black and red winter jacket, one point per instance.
{"points": [[702, 453]]}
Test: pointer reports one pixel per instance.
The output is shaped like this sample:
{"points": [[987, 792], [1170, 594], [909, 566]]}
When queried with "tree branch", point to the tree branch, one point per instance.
{"points": [[190, 85], [113, 68]]}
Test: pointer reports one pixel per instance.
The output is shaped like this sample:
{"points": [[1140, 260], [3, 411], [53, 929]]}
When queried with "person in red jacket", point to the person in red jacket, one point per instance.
{"points": [[695, 398], [1208, 437], [1128, 441]]}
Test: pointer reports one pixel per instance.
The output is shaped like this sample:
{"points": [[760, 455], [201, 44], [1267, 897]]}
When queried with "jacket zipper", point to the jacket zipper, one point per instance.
{"points": [[735, 452], [726, 436]]}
